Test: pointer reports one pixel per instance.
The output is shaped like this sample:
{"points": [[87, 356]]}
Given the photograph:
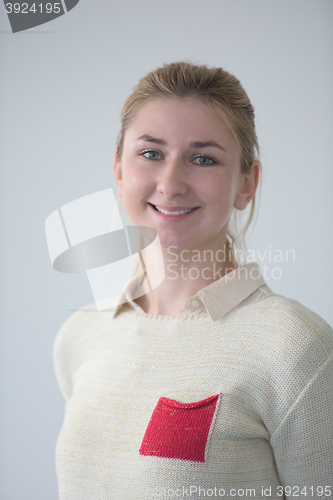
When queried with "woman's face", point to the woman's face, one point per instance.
{"points": [[177, 156]]}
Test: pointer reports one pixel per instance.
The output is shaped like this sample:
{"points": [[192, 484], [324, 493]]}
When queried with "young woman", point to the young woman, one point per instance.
{"points": [[209, 384]]}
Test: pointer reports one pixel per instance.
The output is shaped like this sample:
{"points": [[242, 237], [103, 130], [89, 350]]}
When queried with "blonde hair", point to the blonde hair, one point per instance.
{"points": [[221, 93]]}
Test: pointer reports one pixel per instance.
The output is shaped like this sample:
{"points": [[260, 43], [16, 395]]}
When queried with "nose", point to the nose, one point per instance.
{"points": [[172, 179]]}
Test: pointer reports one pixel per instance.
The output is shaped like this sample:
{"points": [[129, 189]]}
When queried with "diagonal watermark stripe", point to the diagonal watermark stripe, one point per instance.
{"points": [[87, 235]]}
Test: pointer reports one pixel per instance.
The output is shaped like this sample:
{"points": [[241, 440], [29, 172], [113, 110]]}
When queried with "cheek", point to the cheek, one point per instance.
{"points": [[134, 182], [136, 191], [219, 196], [218, 192]]}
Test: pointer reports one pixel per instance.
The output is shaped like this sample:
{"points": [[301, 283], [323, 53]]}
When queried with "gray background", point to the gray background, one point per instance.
{"points": [[61, 90]]}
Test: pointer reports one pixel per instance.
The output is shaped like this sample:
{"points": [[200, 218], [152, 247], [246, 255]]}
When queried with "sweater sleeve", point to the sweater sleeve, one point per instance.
{"points": [[302, 443]]}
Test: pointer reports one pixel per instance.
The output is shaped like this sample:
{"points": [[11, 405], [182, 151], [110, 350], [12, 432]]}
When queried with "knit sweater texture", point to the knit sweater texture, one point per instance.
{"points": [[184, 407]]}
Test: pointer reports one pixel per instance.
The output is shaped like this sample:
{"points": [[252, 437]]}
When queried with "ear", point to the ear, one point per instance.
{"points": [[248, 187], [118, 175]]}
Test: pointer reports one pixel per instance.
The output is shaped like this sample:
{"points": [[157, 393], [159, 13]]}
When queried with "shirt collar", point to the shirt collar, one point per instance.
{"points": [[226, 293], [219, 297]]}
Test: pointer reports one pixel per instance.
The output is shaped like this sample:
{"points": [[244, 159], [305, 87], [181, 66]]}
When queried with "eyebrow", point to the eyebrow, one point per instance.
{"points": [[196, 144]]}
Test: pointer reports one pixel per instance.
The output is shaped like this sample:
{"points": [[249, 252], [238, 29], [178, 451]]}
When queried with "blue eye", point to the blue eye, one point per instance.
{"points": [[153, 155], [209, 162]]}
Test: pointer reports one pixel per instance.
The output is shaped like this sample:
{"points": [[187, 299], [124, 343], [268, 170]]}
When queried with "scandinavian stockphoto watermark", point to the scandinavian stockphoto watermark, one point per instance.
{"points": [[197, 491], [194, 491], [27, 14], [190, 264]]}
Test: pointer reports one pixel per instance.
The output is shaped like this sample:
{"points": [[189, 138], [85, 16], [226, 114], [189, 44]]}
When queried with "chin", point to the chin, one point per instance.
{"points": [[180, 243]]}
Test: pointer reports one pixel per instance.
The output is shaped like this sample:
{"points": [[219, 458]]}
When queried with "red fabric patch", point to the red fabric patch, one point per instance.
{"points": [[179, 430]]}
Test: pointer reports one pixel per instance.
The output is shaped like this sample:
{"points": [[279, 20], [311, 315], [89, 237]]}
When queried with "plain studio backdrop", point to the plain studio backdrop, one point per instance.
{"points": [[62, 87]]}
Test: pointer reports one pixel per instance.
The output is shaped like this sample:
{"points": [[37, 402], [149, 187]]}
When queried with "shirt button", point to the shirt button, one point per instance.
{"points": [[194, 303]]}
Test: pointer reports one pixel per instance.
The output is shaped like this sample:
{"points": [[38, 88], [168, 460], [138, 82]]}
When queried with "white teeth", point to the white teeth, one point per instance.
{"points": [[174, 213]]}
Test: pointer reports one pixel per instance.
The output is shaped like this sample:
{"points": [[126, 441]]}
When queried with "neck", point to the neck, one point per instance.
{"points": [[186, 273]]}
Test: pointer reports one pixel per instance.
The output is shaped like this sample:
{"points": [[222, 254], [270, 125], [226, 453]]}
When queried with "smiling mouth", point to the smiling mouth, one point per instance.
{"points": [[175, 212]]}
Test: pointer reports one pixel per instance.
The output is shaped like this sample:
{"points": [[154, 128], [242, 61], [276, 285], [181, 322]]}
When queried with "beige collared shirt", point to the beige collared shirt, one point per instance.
{"points": [[236, 289]]}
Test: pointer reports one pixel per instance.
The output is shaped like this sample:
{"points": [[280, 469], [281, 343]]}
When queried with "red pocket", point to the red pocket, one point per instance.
{"points": [[179, 430]]}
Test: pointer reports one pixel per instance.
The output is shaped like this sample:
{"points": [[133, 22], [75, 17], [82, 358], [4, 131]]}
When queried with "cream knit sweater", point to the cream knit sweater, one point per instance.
{"points": [[262, 378]]}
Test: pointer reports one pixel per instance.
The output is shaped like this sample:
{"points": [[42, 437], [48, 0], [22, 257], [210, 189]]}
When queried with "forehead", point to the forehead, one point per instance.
{"points": [[184, 118]]}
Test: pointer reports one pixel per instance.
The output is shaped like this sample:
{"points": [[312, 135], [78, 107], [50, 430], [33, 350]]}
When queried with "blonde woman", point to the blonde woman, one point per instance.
{"points": [[209, 385]]}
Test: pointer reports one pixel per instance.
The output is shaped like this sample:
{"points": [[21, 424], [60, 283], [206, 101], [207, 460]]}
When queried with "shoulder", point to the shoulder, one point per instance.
{"points": [[77, 337], [89, 318], [293, 332], [293, 348], [292, 314], [64, 347], [73, 325]]}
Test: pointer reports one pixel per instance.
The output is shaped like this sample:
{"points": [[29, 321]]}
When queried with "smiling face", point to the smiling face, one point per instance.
{"points": [[177, 156]]}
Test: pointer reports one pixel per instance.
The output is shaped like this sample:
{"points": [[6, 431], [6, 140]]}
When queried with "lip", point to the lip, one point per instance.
{"points": [[172, 218], [171, 209]]}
